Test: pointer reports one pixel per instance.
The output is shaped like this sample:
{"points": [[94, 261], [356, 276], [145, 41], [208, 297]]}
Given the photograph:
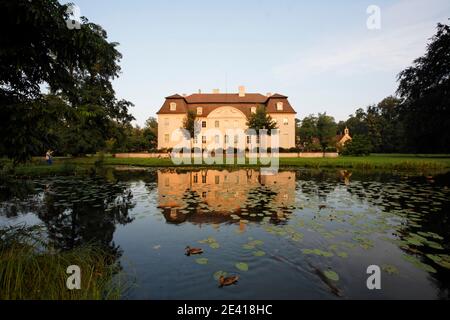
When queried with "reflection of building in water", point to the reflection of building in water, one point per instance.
{"points": [[214, 195]]}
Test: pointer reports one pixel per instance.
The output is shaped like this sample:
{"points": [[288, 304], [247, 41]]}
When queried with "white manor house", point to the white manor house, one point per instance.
{"points": [[223, 112]]}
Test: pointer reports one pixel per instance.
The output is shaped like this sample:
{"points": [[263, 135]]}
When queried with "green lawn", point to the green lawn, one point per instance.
{"points": [[376, 161]]}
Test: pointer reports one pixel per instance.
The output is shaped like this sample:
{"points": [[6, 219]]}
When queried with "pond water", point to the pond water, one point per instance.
{"points": [[296, 235]]}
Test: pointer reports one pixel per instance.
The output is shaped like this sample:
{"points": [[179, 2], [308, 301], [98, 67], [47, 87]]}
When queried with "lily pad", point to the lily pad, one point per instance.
{"points": [[218, 274], [330, 274], [214, 245], [242, 266], [202, 260], [390, 269], [259, 253]]}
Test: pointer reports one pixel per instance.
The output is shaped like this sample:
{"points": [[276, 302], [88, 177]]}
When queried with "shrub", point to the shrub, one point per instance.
{"points": [[359, 146]]}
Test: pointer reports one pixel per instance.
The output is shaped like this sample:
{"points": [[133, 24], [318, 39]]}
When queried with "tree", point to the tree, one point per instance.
{"points": [[326, 131], [308, 131], [390, 126], [357, 123], [261, 120], [77, 66], [190, 124], [424, 88], [298, 138], [358, 146], [150, 133]]}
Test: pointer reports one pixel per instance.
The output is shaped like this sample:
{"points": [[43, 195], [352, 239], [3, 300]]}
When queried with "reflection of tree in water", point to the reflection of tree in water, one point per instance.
{"points": [[317, 183], [84, 210]]}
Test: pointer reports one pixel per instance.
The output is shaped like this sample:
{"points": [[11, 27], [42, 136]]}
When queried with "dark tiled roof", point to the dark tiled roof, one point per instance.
{"points": [[175, 96], [226, 98], [212, 101]]}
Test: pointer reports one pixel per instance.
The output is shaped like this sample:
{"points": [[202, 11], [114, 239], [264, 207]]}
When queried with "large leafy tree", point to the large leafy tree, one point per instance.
{"points": [[308, 130], [190, 124], [425, 89], [261, 120], [326, 131], [77, 65]]}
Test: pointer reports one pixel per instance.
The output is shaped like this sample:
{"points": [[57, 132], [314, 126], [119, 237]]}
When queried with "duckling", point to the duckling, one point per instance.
{"points": [[190, 251], [227, 281]]}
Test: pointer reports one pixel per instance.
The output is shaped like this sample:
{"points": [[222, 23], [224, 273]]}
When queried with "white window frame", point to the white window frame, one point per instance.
{"points": [[199, 110], [279, 106], [173, 106]]}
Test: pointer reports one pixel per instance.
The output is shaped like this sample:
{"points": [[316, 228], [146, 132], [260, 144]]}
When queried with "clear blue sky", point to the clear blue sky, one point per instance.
{"points": [[319, 53]]}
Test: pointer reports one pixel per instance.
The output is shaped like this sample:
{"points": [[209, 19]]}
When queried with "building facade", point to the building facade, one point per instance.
{"points": [[223, 113]]}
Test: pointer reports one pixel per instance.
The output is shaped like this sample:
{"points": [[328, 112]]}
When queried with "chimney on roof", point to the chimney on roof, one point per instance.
{"points": [[216, 91], [269, 94], [241, 91]]}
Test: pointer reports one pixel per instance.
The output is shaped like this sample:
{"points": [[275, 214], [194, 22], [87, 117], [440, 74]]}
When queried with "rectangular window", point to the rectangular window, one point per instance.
{"points": [[217, 139], [279, 106], [217, 124], [226, 139], [203, 139], [203, 124], [257, 139], [196, 179], [253, 109], [173, 106], [166, 137], [249, 139], [199, 110], [217, 179], [285, 121], [203, 179]]}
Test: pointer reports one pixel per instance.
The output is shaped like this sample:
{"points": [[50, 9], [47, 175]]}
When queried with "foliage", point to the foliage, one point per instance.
{"points": [[77, 66], [190, 124], [308, 132], [261, 120], [31, 268], [424, 87], [359, 146], [326, 131]]}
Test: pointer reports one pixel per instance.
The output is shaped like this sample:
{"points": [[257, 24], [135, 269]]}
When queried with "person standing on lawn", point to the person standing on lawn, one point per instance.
{"points": [[49, 157]]}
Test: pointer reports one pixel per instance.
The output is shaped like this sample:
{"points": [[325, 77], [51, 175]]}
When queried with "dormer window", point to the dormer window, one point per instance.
{"points": [[279, 106], [253, 109], [199, 110], [173, 106]]}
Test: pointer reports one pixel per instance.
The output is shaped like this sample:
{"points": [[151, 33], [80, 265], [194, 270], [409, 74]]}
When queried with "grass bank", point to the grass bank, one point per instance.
{"points": [[31, 269], [401, 162], [388, 162]]}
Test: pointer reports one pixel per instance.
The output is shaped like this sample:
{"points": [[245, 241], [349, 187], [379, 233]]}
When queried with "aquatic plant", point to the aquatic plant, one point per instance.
{"points": [[30, 268]]}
